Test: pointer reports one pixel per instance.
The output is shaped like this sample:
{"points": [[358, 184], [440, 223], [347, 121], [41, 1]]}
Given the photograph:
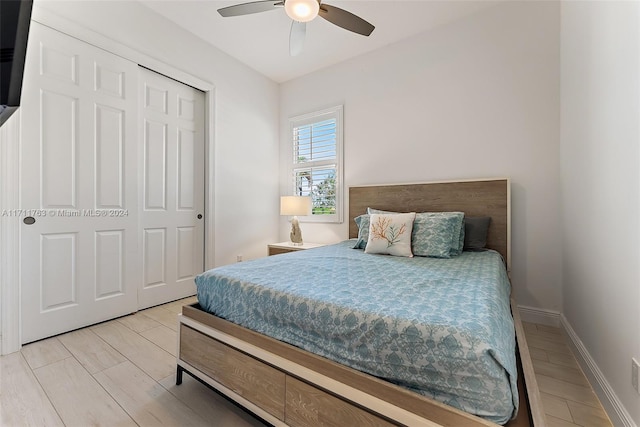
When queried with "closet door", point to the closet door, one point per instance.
{"points": [[79, 185], [172, 175]]}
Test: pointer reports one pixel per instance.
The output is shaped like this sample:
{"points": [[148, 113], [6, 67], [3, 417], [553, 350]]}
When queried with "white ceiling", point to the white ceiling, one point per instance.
{"points": [[262, 40]]}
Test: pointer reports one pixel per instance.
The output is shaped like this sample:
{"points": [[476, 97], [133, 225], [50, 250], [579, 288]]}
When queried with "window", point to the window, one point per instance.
{"points": [[317, 162]]}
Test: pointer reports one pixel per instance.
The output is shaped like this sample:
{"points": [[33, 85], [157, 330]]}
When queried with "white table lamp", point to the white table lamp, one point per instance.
{"points": [[295, 205]]}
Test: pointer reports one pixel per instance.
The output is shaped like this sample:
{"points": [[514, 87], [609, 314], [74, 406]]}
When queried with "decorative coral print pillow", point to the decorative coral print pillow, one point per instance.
{"points": [[390, 234]]}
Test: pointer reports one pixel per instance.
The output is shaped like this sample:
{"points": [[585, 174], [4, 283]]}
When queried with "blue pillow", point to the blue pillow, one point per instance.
{"points": [[363, 231], [436, 235]]}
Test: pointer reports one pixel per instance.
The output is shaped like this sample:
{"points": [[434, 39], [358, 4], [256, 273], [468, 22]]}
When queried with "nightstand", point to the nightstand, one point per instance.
{"points": [[284, 247]]}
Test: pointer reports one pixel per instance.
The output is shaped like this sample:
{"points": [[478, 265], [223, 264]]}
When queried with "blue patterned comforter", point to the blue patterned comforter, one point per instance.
{"points": [[440, 327]]}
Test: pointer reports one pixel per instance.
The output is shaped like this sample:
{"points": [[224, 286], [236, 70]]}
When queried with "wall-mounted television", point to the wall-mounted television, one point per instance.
{"points": [[15, 17]]}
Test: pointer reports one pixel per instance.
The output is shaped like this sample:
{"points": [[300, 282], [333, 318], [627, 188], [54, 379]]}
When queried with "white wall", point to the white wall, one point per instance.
{"points": [[246, 118], [600, 164], [475, 98]]}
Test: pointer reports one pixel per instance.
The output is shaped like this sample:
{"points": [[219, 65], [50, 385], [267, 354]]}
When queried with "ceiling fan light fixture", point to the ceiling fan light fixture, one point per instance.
{"points": [[302, 10]]}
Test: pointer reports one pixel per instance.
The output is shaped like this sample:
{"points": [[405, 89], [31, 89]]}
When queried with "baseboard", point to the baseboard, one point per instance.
{"points": [[612, 405], [539, 316]]}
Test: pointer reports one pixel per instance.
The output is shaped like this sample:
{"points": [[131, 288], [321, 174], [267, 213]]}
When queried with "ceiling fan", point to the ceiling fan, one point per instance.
{"points": [[301, 12]]}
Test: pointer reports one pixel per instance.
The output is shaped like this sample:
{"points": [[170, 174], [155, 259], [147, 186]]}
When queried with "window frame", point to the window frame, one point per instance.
{"points": [[336, 113]]}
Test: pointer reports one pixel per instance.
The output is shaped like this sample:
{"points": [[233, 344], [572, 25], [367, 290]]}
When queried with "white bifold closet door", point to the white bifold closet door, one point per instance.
{"points": [[78, 151], [110, 193], [172, 175]]}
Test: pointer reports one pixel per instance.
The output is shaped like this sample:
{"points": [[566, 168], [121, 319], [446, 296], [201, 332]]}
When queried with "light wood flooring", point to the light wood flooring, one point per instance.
{"points": [[567, 396], [122, 373]]}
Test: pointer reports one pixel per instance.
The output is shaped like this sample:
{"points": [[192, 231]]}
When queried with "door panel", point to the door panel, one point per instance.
{"points": [[186, 258], [173, 161], [58, 62], [155, 156], [155, 243], [186, 160], [109, 259], [58, 288], [79, 264], [109, 81], [59, 120], [109, 142]]}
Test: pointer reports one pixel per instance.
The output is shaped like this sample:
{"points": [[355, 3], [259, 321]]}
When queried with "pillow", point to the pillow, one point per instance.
{"points": [[378, 211], [362, 222], [427, 242], [460, 246], [390, 234], [437, 234], [475, 232]]}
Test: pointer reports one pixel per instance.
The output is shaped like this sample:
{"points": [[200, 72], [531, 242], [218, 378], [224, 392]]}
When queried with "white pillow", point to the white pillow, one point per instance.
{"points": [[390, 234]]}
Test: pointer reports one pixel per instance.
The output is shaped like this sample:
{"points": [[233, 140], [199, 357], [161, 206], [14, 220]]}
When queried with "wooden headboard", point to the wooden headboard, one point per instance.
{"points": [[485, 197]]}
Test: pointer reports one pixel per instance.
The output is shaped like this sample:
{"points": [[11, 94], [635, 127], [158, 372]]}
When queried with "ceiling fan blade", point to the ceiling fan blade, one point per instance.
{"points": [[248, 8], [296, 37], [346, 20]]}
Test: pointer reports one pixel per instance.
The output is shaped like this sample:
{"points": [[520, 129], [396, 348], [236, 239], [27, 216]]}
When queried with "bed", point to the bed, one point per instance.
{"points": [[341, 369]]}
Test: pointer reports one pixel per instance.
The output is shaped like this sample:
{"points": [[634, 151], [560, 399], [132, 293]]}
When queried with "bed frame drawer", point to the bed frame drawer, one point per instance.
{"points": [[250, 378], [309, 406]]}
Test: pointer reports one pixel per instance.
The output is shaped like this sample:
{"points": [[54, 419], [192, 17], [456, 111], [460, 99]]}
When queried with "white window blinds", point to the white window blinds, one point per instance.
{"points": [[317, 152]]}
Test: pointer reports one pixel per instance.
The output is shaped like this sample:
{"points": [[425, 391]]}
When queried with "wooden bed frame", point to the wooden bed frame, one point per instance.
{"points": [[287, 386]]}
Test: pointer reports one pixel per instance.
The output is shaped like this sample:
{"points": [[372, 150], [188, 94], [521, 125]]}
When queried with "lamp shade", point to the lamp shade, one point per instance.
{"points": [[295, 205]]}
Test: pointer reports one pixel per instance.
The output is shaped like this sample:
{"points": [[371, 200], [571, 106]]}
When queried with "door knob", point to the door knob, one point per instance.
{"points": [[199, 216], [29, 220]]}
